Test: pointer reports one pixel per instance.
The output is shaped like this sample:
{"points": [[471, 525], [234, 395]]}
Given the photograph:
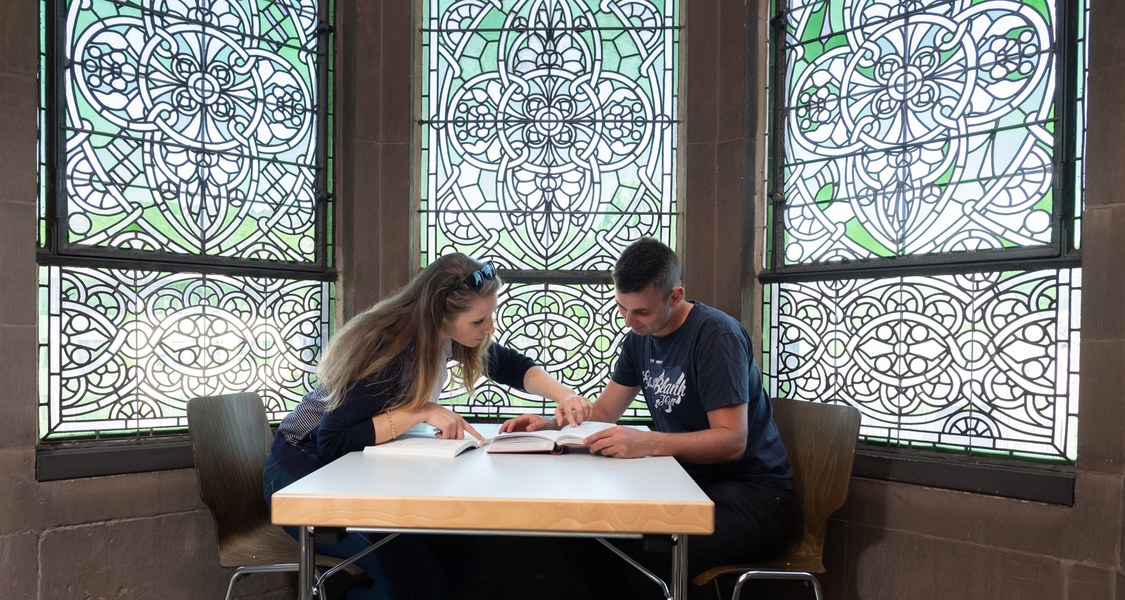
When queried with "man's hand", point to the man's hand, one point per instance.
{"points": [[620, 442], [528, 423]]}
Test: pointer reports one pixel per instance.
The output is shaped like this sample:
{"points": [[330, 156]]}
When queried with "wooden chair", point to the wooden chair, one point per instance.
{"points": [[821, 440], [230, 437]]}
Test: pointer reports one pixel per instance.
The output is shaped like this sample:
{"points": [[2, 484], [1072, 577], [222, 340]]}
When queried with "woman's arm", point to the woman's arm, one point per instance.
{"points": [[349, 426], [571, 406]]}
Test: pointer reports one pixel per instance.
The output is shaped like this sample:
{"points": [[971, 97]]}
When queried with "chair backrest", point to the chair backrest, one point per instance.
{"points": [[230, 436], [821, 440]]}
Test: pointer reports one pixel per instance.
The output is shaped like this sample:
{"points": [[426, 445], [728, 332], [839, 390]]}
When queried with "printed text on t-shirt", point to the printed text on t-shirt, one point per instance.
{"points": [[666, 387]]}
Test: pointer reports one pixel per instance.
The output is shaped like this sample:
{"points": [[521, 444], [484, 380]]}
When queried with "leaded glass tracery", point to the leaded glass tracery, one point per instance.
{"points": [[985, 361], [549, 129], [918, 128], [191, 128], [934, 134], [124, 350], [549, 145], [573, 330], [188, 132]]}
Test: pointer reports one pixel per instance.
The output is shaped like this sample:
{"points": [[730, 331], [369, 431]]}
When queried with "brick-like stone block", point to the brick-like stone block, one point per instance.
{"points": [[172, 556], [1101, 447], [29, 505], [19, 38], [19, 566], [703, 72], [886, 564], [1103, 228], [1105, 180], [1089, 583], [19, 403], [1089, 530], [19, 275], [18, 154]]}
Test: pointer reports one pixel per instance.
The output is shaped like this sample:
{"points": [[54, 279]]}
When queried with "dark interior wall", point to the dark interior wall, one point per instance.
{"points": [[148, 536]]}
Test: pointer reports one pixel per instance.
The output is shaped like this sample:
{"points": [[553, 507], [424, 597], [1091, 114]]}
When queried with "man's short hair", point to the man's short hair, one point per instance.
{"points": [[647, 262]]}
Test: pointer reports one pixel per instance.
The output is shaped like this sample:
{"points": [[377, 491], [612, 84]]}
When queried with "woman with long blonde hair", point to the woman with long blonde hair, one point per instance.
{"points": [[381, 375]]}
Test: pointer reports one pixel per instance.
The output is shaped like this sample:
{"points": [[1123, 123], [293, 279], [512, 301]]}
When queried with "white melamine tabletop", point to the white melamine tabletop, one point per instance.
{"points": [[573, 492]]}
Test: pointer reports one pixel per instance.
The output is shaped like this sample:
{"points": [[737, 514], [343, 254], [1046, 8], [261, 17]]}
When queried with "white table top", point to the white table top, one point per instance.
{"points": [[574, 492]]}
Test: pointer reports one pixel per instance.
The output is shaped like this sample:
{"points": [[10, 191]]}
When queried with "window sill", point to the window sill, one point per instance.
{"points": [[55, 462], [1037, 483]]}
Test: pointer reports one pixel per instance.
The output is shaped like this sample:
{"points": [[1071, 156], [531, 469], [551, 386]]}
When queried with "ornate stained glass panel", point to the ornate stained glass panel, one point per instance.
{"points": [[930, 135], [986, 362], [123, 351], [191, 132], [190, 127], [917, 128], [574, 331], [549, 129]]}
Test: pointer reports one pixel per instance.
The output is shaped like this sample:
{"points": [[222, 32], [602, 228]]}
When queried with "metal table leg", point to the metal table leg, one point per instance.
{"points": [[306, 567], [679, 568]]}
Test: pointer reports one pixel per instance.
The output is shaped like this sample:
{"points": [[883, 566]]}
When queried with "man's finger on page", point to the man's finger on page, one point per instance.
{"points": [[474, 432]]}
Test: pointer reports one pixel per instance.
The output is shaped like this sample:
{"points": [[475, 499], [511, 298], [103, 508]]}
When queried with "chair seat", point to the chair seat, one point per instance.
{"points": [[267, 546], [258, 546], [810, 564]]}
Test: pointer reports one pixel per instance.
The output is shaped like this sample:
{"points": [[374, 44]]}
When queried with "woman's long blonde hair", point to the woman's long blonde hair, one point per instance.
{"points": [[376, 337]]}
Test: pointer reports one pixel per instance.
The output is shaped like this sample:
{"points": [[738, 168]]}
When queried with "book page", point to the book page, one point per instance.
{"points": [[424, 446], [546, 440], [575, 434]]}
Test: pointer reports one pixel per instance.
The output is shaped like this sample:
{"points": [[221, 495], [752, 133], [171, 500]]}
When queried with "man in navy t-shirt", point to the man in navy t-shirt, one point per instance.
{"points": [[696, 370]]}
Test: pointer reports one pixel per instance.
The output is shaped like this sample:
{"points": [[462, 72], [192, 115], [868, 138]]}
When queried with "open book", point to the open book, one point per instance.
{"points": [[549, 440], [425, 446]]}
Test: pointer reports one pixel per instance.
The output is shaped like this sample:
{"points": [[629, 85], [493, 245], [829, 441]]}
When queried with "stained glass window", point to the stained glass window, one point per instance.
{"points": [[548, 145], [926, 182], [185, 210]]}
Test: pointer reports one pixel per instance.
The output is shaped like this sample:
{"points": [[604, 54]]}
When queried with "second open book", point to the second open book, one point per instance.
{"points": [[423, 443]]}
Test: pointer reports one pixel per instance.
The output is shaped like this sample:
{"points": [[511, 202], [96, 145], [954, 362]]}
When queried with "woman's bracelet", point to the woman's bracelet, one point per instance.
{"points": [[391, 420], [569, 397]]}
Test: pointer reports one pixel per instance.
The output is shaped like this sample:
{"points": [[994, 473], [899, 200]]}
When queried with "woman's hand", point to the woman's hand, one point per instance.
{"points": [[449, 425], [527, 423], [572, 410]]}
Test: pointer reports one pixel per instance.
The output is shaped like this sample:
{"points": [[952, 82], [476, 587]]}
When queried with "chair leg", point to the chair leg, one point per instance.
{"points": [[230, 586], [247, 570], [791, 575]]}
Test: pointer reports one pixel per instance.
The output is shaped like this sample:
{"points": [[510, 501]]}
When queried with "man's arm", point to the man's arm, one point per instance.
{"points": [[725, 440], [609, 407], [613, 401]]}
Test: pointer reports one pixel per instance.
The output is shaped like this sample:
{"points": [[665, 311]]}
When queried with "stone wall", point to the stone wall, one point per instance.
{"points": [[148, 536]]}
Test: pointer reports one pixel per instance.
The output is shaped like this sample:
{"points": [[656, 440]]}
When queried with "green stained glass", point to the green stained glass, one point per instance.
{"points": [[550, 130], [927, 135], [548, 144], [935, 125], [191, 129], [189, 132]]}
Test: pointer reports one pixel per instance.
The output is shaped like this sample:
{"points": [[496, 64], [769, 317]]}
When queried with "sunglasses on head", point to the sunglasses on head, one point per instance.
{"points": [[475, 280]]}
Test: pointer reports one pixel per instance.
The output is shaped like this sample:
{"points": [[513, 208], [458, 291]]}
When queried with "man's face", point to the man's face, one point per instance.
{"points": [[646, 312]]}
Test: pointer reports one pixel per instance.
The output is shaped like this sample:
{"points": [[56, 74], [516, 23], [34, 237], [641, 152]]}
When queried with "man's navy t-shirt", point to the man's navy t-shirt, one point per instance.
{"points": [[705, 364]]}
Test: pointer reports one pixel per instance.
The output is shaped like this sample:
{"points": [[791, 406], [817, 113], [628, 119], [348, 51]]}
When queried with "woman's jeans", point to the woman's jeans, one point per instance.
{"points": [[421, 567]]}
